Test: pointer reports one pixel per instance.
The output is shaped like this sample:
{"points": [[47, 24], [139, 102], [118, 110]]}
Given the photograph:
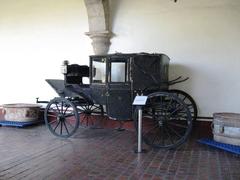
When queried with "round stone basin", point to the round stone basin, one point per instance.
{"points": [[21, 112]]}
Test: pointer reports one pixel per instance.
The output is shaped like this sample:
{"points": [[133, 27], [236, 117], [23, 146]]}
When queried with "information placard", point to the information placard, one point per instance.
{"points": [[140, 100]]}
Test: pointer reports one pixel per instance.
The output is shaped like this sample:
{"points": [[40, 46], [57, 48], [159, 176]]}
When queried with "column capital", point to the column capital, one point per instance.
{"points": [[98, 20]]}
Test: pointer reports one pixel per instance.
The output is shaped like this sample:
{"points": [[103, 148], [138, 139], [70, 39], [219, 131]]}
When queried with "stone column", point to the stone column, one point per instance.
{"points": [[98, 20]]}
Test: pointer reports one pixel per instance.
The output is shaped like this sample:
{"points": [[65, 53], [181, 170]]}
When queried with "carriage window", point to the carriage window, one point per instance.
{"points": [[118, 72], [99, 71]]}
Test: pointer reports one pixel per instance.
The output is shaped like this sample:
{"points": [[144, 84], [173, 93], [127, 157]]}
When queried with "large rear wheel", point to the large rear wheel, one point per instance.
{"points": [[167, 121]]}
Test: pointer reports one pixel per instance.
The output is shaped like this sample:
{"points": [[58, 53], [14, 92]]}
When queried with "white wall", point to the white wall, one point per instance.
{"points": [[201, 37], [35, 37]]}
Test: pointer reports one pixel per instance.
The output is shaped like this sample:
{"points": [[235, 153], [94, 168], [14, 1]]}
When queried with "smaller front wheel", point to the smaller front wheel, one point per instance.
{"points": [[61, 117]]}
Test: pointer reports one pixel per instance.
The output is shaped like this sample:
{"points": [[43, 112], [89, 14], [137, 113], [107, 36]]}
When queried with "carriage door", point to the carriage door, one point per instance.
{"points": [[119, 96]]}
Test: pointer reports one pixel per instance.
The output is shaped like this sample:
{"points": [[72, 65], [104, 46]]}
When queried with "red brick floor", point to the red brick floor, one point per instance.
{"points": [[33, 153]]}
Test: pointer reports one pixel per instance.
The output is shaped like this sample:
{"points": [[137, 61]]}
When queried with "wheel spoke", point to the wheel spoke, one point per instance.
{"points": [[155, 137], [52, 122], [175, 132], [62, 107], [52, 115], [190, 107], [179, 116], [61, 128], [178, 125], [149, 113], [95, 108], [69, 115], [169, 104], [150, 130], [87, 118], [66, 109], [177, 109], [83, 108], [53, 110], [169, 135], [56, 126], [65, 127], [184, 98], [162, 135], [58, 108], [69, 124]]}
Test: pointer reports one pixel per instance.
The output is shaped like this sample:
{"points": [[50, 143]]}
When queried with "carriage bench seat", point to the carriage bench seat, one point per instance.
{"points": [[75, 73]]}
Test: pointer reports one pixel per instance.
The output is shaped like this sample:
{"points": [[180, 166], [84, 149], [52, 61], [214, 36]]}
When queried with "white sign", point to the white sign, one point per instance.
{"points": [[140, 100]]}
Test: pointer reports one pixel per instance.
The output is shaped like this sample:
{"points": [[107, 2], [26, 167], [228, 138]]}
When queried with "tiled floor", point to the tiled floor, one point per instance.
{"points": [[33, 153]]}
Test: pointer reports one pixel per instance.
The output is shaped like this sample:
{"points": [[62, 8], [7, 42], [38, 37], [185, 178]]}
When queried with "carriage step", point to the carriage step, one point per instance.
{"points": [[19, 124], [227, 147]]}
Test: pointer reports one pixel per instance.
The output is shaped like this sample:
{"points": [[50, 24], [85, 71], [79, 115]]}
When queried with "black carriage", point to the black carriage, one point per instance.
{"points": [[115, 80]]}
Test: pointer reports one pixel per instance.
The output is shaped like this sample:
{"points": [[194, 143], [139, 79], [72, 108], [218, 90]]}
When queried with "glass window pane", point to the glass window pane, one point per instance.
{"points": [[99, 72], [118, 72]]}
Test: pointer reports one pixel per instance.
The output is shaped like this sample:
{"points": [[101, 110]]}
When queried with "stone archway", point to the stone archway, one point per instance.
{"points": [[98, 20]]}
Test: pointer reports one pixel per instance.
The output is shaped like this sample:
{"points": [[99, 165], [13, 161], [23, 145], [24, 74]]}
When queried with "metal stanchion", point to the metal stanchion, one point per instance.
{"points": [[139, 149], [139, 145], [139, 102]]}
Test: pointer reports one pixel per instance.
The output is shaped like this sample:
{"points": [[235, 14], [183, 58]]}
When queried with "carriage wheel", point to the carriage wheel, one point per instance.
{"points": [[188, 100], [61, 117], [166, 121], [90, 113]]}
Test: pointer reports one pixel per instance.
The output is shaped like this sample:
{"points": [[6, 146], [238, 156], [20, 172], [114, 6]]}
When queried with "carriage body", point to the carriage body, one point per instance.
{"points": [[116, 79]]}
